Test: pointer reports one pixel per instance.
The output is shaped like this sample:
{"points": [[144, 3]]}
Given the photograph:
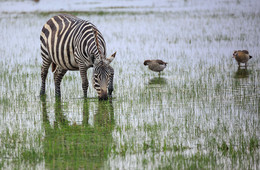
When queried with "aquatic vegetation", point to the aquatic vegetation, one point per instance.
{"points": [[201, 113]]}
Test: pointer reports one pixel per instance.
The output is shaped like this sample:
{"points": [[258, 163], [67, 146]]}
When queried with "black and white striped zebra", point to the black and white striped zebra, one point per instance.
{"points": [[70, 43]]}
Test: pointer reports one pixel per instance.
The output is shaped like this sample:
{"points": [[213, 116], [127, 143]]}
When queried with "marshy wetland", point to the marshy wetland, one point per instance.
{"points": [[201, 113]]}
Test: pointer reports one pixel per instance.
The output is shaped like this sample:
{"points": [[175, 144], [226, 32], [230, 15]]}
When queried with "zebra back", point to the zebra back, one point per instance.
{"points": [[70, 43], [67, 40]]}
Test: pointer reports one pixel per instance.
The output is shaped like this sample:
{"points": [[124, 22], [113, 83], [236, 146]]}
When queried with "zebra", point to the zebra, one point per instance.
{"points": [[70, 43]]}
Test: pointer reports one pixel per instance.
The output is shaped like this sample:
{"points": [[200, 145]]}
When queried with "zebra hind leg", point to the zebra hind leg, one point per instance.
{"points": [[58, 75], [44, 73]]}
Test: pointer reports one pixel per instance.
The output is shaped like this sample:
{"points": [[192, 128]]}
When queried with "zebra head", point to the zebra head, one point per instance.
{"points": [[103, 78]]}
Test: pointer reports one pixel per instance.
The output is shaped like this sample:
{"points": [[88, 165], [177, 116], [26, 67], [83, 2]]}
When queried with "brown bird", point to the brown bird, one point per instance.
{"points": [[156, 65], [242, 57]]}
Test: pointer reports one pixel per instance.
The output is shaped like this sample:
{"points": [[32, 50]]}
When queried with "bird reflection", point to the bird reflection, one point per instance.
{"points": [[158, 80], [241, 73], [74, 146]]}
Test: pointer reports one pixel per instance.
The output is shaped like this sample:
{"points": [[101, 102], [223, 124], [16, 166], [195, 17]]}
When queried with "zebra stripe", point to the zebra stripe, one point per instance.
{"points": [[70, 43]]}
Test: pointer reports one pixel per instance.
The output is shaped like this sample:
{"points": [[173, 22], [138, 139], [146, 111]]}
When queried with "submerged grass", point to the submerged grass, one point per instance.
{"points": [[78, 146], [93, 13], [202, 113]]}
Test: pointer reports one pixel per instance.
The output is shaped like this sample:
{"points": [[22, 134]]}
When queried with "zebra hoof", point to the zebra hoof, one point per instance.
{"points": [[102, 98], [42, 93]]}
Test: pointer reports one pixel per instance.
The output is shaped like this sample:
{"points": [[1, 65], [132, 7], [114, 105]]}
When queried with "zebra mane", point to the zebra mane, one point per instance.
{"points": [[96, 39]]}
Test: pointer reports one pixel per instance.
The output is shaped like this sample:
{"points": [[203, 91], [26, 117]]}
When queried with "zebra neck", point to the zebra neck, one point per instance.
{"points": [[99, 62]]}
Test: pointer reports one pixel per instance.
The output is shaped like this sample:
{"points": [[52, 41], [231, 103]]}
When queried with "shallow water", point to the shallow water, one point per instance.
{"points": [[202, 112]]}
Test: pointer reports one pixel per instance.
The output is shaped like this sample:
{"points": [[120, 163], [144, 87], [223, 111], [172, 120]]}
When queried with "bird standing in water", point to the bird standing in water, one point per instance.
{"points": [[156, 65], [242, 57]]}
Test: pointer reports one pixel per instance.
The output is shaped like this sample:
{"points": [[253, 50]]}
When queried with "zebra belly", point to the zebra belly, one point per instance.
{"points": [[65, 62], [58, 34], [64, 38]]}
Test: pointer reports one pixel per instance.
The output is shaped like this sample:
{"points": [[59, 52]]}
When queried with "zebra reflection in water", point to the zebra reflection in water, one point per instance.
{"points": [[86, 146]]}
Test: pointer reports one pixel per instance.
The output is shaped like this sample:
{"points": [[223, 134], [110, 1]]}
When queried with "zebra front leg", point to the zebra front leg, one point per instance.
{"points": [[44, 73], [58, 75], [83, 74]]}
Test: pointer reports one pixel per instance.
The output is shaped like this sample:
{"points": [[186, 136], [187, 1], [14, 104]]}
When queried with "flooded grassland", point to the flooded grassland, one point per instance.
{"points": [[202, 112]]}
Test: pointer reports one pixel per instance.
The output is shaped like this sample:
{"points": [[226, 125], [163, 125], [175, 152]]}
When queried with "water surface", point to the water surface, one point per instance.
{"points": [[202, 112]]}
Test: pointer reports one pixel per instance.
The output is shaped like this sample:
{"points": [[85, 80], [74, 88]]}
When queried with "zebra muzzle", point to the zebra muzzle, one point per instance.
{"points": [[103, 95]]}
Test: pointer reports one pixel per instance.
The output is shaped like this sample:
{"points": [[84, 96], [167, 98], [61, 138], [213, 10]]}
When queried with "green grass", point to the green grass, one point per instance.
{"points": [[93, 13], [202, 113]]}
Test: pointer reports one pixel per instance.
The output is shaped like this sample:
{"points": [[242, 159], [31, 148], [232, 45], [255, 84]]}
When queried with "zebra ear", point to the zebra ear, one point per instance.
{"points": [[111, 58]]}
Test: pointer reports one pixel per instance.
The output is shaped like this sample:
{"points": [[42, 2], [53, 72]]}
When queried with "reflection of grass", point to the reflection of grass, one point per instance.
{"points": [[31, 156], [16, 142], [185, 107], [97, 13], [242, 73], [198, 160], [5, 102], [78, 146], [222, 38], [204, 117], [157, 80]]}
